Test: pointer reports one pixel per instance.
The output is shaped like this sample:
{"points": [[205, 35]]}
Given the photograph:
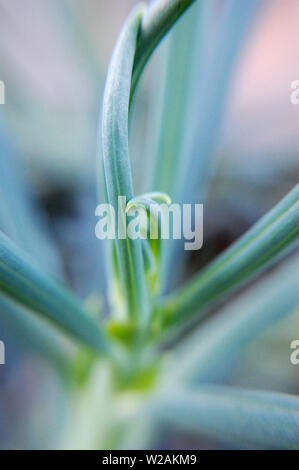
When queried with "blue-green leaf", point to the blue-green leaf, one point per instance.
{"points": [[158, 18], [117, 168], [24, 282], [259, 420], [206, 353], [34, 334], [268, 239]]}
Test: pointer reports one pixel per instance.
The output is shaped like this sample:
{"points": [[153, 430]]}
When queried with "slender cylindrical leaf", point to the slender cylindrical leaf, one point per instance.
{"points": [[264, 242], [141, 34], [34, 334], [157, 20], [24, 282], [206, 354], [262, 420], [117, 167]]}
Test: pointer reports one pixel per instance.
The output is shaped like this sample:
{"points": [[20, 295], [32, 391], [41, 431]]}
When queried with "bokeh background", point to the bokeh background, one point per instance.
{"points": [[54, 56]]}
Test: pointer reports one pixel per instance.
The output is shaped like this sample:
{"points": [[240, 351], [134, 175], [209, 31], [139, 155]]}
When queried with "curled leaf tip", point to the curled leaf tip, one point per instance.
{"points": [[147, 199]]}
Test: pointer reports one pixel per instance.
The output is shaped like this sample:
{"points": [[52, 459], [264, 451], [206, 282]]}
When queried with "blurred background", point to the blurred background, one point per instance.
{"points": [[54, 56]]}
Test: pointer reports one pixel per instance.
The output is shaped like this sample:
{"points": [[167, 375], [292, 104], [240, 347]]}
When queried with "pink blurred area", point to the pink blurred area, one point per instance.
{"points": [[260, 117]]}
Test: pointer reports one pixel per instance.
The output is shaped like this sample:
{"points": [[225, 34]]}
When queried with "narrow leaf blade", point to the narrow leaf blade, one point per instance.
{"points": [[197, 358], [22, 281], [251, 418], [117, 166], [275, 233]]}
